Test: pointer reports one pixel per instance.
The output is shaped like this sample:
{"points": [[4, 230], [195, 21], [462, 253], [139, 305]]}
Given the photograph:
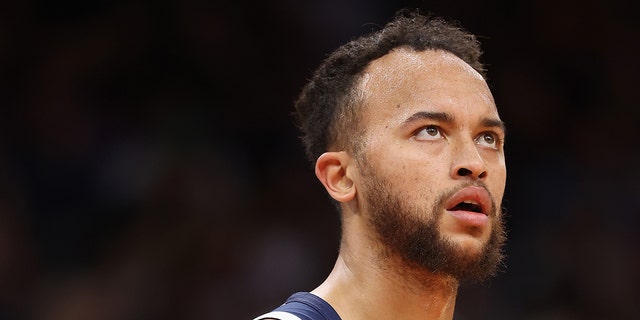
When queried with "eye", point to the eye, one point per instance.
{"points": [[488, 139], [428, 133]]}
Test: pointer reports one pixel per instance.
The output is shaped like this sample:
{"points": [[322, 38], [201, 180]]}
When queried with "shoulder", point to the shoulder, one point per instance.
{"points": [[302, 306], [278, 315]]}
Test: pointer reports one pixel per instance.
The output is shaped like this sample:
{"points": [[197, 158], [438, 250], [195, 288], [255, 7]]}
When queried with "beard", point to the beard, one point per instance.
{"points": [[404, 232]]}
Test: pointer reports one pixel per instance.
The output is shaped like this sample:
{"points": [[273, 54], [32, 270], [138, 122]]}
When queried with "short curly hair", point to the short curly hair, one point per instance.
{"points": [[327, 108]]}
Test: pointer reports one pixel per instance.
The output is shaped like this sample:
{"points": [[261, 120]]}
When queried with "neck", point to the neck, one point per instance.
{"points": [[363, 285]]}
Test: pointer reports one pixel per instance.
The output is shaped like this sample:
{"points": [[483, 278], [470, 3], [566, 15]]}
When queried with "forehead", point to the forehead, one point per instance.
{"points": [[404, 63], [405, 80]]}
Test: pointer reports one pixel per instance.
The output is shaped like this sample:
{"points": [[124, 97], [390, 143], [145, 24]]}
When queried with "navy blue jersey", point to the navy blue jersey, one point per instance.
{"points": [[303, 306]]}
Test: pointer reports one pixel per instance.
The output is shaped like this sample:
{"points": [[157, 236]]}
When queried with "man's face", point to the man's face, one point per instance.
{"points": [[432, 170]]}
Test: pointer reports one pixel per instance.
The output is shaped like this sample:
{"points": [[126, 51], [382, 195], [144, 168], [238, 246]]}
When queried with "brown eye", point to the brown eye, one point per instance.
{"points": [[488, 139], [432, 131], [428, 133]]}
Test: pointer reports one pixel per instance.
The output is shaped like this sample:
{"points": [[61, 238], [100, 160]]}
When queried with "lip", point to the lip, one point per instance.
{"points": [[474, 194]]}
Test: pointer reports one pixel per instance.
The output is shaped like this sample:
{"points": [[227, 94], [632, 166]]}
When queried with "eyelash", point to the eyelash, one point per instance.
{"points": [[423, 128], [498, 140]]}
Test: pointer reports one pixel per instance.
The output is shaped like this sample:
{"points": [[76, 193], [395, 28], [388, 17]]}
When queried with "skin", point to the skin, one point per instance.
{"points": [[419, 155]]}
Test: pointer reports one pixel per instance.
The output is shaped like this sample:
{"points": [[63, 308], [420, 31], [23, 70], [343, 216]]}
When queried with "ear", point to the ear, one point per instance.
{"points": [[333, 170]]}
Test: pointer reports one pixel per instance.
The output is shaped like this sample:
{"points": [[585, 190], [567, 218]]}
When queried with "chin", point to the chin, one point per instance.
{"points": [[469, 244]]}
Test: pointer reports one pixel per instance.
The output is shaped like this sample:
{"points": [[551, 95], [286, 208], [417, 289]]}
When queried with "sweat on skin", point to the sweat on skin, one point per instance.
{"points": [[430, 126]]}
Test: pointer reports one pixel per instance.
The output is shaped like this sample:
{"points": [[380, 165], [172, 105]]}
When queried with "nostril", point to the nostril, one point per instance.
{"points": [[464, 172]]}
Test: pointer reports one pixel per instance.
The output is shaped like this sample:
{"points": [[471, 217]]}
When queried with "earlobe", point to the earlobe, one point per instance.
{"points": [[332, 169]]}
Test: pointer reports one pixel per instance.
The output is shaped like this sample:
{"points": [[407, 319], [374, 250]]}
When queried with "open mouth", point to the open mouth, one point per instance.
{"points": [[467, 206], [470, 199]]}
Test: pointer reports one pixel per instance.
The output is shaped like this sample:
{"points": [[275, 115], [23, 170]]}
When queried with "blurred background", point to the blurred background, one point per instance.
{"points": [[150, 169]]}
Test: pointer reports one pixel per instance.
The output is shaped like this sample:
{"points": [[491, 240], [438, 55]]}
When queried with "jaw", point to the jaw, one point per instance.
{"points": [[470, 239], [468, 244]]}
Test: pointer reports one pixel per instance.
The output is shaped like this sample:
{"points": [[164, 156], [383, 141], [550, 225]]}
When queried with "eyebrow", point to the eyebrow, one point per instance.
{"points": [[448, 118], [438, 116], [494, 123]]}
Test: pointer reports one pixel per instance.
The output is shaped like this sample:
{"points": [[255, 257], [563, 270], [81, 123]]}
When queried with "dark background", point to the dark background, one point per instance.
{"points": [[149, 167]]}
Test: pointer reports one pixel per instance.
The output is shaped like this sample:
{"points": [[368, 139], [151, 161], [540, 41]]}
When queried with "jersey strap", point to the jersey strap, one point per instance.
{"points": [[282, 315]]}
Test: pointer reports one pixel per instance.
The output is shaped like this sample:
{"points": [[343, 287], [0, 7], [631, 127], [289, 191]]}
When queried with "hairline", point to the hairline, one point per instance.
{"points": [[350, 111]]}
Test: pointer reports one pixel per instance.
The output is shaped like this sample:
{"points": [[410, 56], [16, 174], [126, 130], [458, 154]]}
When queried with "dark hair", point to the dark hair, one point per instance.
{"points": [[326, 108]]}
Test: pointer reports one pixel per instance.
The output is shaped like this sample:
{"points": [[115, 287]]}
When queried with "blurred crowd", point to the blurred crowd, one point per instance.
{"points": [[150, 167]]}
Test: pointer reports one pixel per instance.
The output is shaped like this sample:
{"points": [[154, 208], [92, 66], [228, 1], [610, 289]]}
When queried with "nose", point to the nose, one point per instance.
{"points": [[468, 163]]}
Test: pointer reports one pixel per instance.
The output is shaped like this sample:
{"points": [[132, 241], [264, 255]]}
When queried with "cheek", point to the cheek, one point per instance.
{"points": [[415, 178], [412, 169], [498, 182]]}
